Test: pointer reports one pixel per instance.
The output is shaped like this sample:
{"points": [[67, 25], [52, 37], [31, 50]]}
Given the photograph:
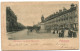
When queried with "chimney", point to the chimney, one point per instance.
{"points": [[56, 12]]}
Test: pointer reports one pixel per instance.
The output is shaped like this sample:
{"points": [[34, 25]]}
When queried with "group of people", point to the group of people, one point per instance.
{"points": [[72, 33], [62, 33]]}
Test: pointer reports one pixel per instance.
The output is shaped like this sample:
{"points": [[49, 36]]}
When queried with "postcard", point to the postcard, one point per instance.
{"points": [[40, 25]]}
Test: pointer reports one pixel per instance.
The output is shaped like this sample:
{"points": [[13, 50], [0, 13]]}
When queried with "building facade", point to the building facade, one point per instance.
{"points": [[67, 19]]}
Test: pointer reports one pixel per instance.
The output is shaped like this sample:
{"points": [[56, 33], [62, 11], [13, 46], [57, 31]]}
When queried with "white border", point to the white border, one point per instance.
{"points": [[33, 0], [37, 0]]}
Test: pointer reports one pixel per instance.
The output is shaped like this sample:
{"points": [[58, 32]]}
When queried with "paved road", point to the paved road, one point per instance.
{"points": [[24, 34], [17, 35]]}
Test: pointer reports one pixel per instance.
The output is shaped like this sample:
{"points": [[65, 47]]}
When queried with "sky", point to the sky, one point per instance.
{"points": [[29, 14]]}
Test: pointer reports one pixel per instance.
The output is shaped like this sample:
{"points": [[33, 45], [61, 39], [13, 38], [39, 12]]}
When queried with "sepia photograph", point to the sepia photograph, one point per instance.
{"points": [[41, 21], [46, 25]]}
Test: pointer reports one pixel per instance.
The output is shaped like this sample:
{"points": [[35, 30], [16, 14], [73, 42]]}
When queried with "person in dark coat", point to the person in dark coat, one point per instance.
{"points": [[54, 32], [62, 33], [74, 34], [70, 33]]}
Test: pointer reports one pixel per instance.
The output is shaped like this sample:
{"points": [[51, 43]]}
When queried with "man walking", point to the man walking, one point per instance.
{"points": [[62, 33], [70, 33]]}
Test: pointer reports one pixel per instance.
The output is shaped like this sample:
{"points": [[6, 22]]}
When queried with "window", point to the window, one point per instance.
{"points": [[71, 17], [63, 19], [66, 18]]}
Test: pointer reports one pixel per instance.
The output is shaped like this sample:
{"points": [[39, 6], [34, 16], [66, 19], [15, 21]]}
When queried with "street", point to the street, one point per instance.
{"points": [[19, 35]]}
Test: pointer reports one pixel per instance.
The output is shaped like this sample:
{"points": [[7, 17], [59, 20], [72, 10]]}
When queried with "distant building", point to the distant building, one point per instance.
{"points": [[67, 19]]}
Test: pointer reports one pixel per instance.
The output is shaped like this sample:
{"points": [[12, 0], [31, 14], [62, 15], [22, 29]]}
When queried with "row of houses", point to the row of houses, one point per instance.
{"points": [[65, 18]]}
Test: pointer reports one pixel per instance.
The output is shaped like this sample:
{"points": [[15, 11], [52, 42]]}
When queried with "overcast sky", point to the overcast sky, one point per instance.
{"points": [[27, 13]]}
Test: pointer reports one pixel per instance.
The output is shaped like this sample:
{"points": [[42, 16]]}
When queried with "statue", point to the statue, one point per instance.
{"points": [[42, 18]]}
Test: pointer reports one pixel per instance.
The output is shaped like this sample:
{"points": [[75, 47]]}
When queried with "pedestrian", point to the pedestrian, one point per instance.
{"points": [[54, 32], [62, 33], [71, 33], [74, 34]]}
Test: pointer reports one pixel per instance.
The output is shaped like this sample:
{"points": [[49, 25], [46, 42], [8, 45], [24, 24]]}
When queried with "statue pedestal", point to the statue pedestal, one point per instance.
{"points": [[42, 28]]}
